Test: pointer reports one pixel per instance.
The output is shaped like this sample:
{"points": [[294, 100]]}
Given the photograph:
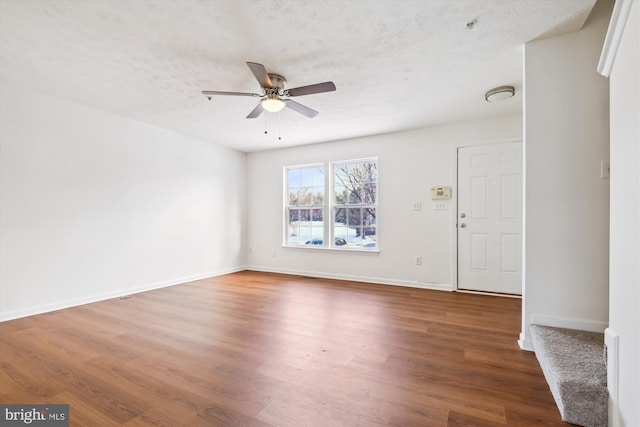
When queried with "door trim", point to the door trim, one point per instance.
{"points": [[454, 204]]}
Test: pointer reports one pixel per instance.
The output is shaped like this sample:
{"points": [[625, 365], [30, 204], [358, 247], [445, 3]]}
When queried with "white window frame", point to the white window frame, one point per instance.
{"points": [[287, 207], [328, 207], [332, 203]]}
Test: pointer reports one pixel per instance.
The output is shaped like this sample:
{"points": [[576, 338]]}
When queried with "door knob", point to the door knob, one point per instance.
{"points": [[463, 225], [463, 215]]}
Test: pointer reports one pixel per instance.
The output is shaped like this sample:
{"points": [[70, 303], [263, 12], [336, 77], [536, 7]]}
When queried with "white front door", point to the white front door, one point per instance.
{"points": [[490, 218]]}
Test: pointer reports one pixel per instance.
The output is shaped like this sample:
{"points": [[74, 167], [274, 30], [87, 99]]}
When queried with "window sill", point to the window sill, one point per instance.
{"points": [[373, 252]]}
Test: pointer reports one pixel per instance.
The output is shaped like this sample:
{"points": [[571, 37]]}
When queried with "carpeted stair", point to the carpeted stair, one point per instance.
{"points": [[574, 366]]}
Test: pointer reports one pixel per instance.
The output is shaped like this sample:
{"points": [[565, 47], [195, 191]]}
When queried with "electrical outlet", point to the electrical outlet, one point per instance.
{"points": [[418, 260], [440, 206]]}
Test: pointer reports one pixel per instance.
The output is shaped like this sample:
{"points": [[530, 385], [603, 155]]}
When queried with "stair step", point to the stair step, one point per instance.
{"points": [[574, 365]]}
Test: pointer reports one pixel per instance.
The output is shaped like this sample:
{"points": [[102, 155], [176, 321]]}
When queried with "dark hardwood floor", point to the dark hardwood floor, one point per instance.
{"points": [[257, 349]]}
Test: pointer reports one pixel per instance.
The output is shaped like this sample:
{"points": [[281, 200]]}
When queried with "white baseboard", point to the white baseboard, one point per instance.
{"points": [[46, 308], [569, 323], [366, 279], [525, 343]]}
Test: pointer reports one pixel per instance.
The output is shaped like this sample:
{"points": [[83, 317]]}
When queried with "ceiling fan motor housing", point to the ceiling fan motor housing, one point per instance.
{"points": [[277, 81]]}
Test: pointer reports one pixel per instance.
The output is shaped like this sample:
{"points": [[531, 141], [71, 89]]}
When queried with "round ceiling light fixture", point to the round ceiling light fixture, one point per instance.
{"points": [[273, 103], [499, 94]]}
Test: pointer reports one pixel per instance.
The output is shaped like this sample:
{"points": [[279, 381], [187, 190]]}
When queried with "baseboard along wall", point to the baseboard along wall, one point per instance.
{"points": [[46, 308], [352, 278]]}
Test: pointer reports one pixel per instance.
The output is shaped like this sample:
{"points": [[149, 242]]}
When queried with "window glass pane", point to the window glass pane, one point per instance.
{"points": [[355, 236], [294, 196], [317, 216], [340, 233], [341, 174], [293, 228], [305, 196], [305, 235], [370, 172], [369, 216], [294, 215], [340, 216], [354, 217], [317, 234], [306, 177], [318, 177], [318, 196], [340, 195], [369, 237], [305, 215], [355, 196], [370, 193], [293, 233], [293, 178]]}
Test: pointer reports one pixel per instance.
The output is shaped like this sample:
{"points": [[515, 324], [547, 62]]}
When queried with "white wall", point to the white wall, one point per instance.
{"points": [[95, 205], [566, 128], [624, 296], [410, 163]]}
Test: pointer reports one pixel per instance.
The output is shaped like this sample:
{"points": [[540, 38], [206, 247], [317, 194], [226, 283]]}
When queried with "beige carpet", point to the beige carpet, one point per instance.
{"points": [[574, 365]]}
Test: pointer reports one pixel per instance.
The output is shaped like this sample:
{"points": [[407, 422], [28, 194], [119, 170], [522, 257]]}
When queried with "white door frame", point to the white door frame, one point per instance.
{"points": [[454, 204]]}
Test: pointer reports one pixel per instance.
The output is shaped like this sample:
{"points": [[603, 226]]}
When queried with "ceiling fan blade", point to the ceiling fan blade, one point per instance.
{"points": [[311, 89], [301, 108], [256, 111], [261, 74], [215, 92]]}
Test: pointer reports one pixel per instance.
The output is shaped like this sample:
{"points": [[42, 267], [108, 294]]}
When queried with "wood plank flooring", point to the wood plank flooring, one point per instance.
{"points": [[258, 349]]}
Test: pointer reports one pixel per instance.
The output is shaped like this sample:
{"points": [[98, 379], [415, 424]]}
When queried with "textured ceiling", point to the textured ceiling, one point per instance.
{"points": [[396, 64]]}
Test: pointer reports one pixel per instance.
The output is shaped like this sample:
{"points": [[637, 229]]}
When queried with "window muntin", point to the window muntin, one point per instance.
{"points": [[305, 187], [355, 203]]}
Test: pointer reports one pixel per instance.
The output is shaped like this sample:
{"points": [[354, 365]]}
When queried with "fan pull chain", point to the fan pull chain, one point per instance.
{"points": [[265, 124], [279, 124]]}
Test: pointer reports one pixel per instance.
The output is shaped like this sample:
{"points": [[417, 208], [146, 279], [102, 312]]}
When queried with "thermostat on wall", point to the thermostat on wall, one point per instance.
{"points": [[440, 193]]}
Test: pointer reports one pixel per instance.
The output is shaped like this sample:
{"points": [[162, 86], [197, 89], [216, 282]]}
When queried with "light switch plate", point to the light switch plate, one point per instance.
{"points": [[605, 169]]}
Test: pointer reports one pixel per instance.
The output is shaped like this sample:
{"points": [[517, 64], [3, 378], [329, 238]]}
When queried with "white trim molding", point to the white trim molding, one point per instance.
{"points": [[46, 308], [611, 338], [525, 342], [347, 277], [614, 34], [569, 323]]}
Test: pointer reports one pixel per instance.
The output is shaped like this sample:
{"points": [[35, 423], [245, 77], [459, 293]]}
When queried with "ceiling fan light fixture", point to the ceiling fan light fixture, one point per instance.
{"points": [[272, 103], [500, 94]]}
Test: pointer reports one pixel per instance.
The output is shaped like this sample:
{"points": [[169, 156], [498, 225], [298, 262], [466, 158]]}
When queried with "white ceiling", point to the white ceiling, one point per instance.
{"points": [[396, 64]]}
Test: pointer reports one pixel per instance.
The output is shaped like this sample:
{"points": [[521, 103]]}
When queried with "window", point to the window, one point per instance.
{"points": [[353, 205], [305, 205]]}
